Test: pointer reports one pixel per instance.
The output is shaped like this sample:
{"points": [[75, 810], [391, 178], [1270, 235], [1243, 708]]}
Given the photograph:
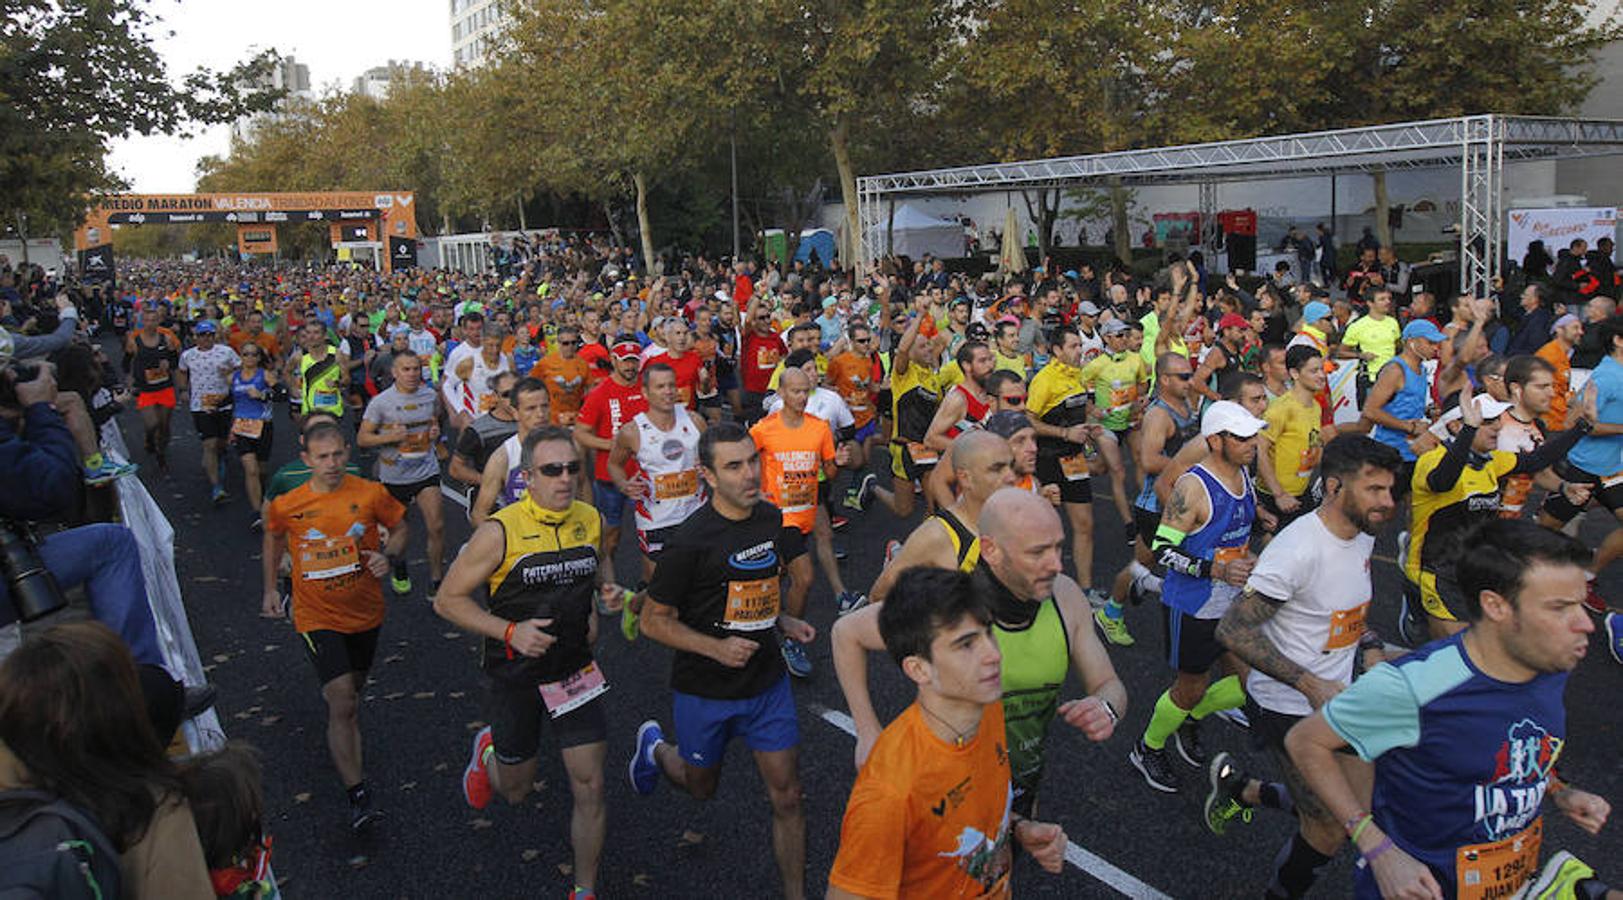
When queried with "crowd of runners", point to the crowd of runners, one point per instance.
{"points": [[735, 417]]}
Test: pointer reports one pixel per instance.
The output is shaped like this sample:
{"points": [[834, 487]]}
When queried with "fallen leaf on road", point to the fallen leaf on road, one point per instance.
{"points": [[222, 657], [451, 635], [566, 869], [358, 862], [641, 880], [271, 647], [394, 696], [480, 824], [423, 695], [268, 721], [530, 855], [456, 695], [442, 767], [302, 797], [392, 659], [261, 689], [206, 579], [475, 725], [690, 839], [408, 786], [244, 715]]}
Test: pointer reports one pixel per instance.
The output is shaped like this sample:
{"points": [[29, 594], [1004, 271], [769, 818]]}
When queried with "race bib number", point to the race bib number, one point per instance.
{"points": [[922, 454], [414, 445], [1122, 397], [324, 399], [1074, 467], [329, 558], [1612, 481], [1346, 627], [676, 485], [799, 491], [573, 692], [211, 401], [248, 428], [1306, 461], [1497, 869], [157, 374], [1227, 555], [751, 605], [1517, 487]]}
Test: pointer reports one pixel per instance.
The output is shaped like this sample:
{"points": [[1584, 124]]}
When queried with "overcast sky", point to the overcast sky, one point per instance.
{"points": [[337, 39]]}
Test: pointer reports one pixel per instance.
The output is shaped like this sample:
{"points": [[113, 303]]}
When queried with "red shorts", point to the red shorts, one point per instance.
{"points": [[165, 397]]}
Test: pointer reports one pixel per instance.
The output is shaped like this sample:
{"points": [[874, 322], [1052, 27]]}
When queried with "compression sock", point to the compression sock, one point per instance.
{"points": [[1296, 867], [400, 570], [1166, 719], [1225, 693], [356, 793]]}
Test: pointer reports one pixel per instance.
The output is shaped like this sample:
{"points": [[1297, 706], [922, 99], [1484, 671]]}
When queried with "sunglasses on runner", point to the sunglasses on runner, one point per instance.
{"points": [[553, 470], [1013, 399]]}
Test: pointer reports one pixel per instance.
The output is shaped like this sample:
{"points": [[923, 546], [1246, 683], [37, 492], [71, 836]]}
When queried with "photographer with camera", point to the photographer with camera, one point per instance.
{"points": [[39, 464]]}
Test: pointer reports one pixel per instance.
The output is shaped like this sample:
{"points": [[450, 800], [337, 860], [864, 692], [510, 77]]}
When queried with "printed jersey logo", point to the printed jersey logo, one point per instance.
{"points": [[984, 858], [758, 558], [1521, 773]]}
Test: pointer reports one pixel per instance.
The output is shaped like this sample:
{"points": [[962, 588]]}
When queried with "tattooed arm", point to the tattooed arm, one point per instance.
{"points": [[1240, 630]]}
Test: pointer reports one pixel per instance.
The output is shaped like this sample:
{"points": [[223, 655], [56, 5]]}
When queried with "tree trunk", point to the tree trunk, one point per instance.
{"points": [[839, 142], [523, 223], [1118, 221], [22, 235], [1383, 226], [643, 226], [614, 224]]}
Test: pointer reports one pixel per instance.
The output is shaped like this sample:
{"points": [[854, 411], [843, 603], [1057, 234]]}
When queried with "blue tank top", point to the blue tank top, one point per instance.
{"points": [[1408, 402], [1184, 428], [245, 406], [1226, 533]]}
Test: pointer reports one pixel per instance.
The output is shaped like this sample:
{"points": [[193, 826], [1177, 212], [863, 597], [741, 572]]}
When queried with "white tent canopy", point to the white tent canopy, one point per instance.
{"points": [[914, 232]]}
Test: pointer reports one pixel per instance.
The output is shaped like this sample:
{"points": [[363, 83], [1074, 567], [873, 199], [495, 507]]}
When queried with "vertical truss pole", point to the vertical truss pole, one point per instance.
{"points": [[1206, 236], [867, 219], [1481, 156]]}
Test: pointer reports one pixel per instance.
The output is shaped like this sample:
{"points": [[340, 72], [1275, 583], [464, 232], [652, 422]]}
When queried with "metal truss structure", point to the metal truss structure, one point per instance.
{"points": [[1479, 146]]}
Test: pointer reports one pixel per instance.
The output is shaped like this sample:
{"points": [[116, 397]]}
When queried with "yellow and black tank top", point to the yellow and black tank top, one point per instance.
{"points": [[548, 571], [965, 542]]}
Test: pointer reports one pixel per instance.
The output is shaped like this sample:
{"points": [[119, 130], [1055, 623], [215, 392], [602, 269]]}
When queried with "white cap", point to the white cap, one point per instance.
{"points": [[1485, 404], [1228, 417]]}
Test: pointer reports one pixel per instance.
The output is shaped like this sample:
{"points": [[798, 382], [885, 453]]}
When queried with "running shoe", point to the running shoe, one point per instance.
{"points": [[108, 471], [362, 814], [582, 893], [838, 522], [839, 552], [476, 788], [1187, 740], [892, 547], [1614, 636], [1594, 602], [1559, 878], [628, 619], [400, 583], [1137, 593], [859, 496], [644, 768], [217, 495], [1235, 717], [1409, 624], [1223, 799], [1114, 630], [850, 602], [1154, 766], [257, 524], [794, 656]]}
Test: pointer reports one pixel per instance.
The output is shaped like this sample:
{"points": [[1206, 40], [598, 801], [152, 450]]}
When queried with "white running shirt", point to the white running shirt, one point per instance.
{"points": [[670, 471]]}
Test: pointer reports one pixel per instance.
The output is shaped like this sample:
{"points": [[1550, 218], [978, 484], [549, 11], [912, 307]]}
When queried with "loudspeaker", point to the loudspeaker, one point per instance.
{"points": [[1242, 250]]}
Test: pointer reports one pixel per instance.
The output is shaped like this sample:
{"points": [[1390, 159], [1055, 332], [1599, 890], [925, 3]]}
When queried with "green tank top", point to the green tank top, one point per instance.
{"points": [[1036, 659], [323, 390]]}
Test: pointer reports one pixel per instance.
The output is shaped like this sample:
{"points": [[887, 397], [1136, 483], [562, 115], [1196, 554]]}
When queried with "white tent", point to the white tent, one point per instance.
{"points": [[914, 232]]}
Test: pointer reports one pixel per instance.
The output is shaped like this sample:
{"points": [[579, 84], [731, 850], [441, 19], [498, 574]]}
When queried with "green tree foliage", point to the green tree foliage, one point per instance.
{"points": [[75, 74]]}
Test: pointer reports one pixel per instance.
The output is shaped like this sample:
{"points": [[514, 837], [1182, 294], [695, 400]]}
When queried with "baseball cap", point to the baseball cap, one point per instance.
{"points": [[1232, 320], [1568, 319], [1314, 311], [977, 331], [1071, 274], [626, 349], [1422, 328], [1114, 326], [206, 326], [959, 300], [1228, 417], [1087, 308], [828, 302], [1006, 424]]}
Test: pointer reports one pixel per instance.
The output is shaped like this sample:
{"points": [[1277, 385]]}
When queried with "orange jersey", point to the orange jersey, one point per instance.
{"points": [[1556, 355], [566, 384], [791, 462], [328, 536], [856, 379], [927, 818], [266, 341]]}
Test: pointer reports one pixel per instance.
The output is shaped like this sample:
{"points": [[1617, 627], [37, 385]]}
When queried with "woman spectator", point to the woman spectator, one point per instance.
{"points": [[73, 723]]}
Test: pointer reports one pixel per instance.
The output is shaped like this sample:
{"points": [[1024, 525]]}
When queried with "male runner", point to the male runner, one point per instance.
{"points": [[796, 447], [1119, 378], [404, 421], [1300, 624], [716, 599], [329, 525], [565, 374], [693, 378], [1295, 439], [1529, 383], [897, 839], [205, 373], [542, 559], [1466, 733], [947, 539], [664, 441], [503, 479], [1223, 359], [1397, 400], [915, 393], [151, 354], [1041, 624], [1057, 403], [615, 401], [318, 372], [1456, 487], [963, 407], [1202, 543], [856, 375], [476, 442]]}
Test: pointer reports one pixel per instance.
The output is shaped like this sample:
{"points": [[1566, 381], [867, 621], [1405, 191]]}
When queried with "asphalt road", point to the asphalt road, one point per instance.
{"points": [[423, 703]]}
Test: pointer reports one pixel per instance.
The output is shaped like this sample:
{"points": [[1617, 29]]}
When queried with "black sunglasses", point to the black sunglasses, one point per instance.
{"points": [[553, 470], [1181, 376]]}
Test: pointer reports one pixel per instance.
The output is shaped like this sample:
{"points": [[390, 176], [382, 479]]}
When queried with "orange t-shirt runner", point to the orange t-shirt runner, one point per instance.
{"points": [[566, 384], [327, 536], [926, 818], [791, 459], [856, 378]]}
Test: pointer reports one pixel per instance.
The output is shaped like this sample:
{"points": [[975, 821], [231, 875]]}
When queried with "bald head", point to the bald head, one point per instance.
{"points": [[1012, 512], [794, 377], [973, 448]]}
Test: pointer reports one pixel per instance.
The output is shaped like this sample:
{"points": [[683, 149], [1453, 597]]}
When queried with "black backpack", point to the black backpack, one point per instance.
{"points": [[51, 848]]}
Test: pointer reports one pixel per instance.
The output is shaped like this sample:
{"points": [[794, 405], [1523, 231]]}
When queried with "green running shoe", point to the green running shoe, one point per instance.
{"points": [[1114, 630], [1223, 800], [400, 583], [628, 619], [1559, 878]]}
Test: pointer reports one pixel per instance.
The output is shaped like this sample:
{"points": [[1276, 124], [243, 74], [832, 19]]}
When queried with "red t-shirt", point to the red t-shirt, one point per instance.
{"points": [[743, 290], [607, 407], [762, 353], [687, 373], [598, 364]]}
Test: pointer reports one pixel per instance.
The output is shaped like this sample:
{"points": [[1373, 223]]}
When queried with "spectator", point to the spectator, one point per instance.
{"points": [[1536, 262], [1591, 349], [71, 725], [1536, 317], [1603, 267]]}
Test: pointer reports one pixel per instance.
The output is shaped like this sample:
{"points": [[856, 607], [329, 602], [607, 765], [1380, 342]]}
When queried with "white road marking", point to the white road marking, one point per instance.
{"points": [[1076, 855]]}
